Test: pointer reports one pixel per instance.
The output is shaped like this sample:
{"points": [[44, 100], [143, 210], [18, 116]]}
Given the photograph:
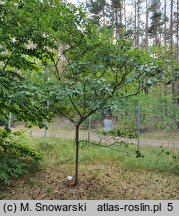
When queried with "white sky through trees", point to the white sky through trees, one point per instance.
{"points": [[78, 2], [73, 1]]}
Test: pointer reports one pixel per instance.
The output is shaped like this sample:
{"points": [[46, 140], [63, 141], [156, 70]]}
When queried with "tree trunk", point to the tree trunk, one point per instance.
{"points": [[77, 153], [177, 53], [171, 47], [118, 25], [177, 32], [156, 31], [173, 92], [104, 17], [165, 38], [135, 24], [138, 21], [125, 19], [147, 27], [171, 25], [177, 93], [113, 18], [165, 22], [120, 22], [165, 88]]}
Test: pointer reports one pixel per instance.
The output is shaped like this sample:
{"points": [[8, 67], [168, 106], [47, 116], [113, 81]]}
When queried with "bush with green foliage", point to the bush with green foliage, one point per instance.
{"points": [[14, 155]]}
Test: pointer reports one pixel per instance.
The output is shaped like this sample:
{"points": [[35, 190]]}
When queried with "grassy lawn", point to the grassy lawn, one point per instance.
{"points": [[103, 173]]}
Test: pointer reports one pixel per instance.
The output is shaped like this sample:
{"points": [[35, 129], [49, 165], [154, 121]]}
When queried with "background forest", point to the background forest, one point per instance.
{"points": [[152, 25]]}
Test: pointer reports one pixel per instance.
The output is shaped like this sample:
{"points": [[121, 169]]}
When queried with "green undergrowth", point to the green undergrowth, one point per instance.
{"points": [[159, 159], [17, 156]]}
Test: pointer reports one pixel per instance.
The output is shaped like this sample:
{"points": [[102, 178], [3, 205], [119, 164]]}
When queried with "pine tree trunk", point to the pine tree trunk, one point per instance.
{"points": [[146, 27], [165, 38], [165, 22], [138, 21], [120, 23], [124, 6], [171, 25], [177, 93], [104, 17], [178, 101], [171, 47], [156, 30], [177, 53], [77, 153], [173, 93], [135, 24], [112, 16], [177, 32]]}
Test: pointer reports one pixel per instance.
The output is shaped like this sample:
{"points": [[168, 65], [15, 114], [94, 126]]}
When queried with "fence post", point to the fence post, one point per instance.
{"points": [[89, 129], [9, 120], [46, 124], [138, 143]]}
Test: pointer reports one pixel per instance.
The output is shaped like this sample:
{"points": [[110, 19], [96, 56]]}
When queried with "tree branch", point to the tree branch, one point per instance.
{"points": [[96, 144], [69, 118], [74, 106], [3, 69], [54, 63]]}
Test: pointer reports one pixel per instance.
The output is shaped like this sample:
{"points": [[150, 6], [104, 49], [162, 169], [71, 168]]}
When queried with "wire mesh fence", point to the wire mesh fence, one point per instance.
{"points": [[64, 129], [153, 117]]}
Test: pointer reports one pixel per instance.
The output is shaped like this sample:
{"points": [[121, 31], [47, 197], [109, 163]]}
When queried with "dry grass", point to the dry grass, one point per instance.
{"points": [[97, 181], [162, 135]]}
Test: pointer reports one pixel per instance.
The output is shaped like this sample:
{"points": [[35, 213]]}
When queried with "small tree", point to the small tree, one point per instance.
{"points": [[96, 72]]}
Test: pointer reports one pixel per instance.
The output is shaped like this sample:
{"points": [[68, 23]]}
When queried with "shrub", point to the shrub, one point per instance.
{"points": [[15, 155]]}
